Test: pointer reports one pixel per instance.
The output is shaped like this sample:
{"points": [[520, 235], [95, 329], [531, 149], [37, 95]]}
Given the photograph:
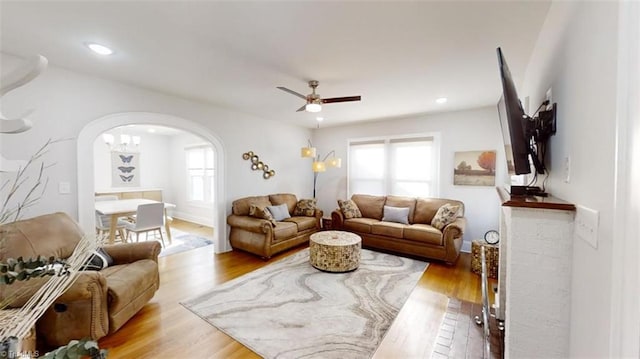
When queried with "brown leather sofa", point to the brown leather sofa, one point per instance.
{"points": [[263, 238], [99, 302], [416, 239]]}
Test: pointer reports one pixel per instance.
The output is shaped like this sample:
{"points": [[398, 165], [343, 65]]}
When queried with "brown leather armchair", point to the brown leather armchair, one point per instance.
{"points": [[99, 302]]}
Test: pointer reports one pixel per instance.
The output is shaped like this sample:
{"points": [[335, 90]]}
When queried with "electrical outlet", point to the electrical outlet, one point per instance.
{"points": [[567, 169], [586, 225]]}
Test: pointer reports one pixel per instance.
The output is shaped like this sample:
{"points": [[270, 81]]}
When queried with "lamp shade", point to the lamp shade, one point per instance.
{"points": [[318, 166], [108, 138], [308, 152], [313, 107], [334, 162]]}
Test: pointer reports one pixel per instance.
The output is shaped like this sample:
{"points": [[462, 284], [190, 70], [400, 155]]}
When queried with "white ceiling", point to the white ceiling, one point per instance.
{"points": [[399, 56]]}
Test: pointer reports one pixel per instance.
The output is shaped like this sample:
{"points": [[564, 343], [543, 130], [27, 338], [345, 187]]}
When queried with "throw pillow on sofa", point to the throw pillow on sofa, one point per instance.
{"points": [[446, 214], [99, 260], [349, 209], [279, 212], [305, 207], [261, 212], [396, 214]]}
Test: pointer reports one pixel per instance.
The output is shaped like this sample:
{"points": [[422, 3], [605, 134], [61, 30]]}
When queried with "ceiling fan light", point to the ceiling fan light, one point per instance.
{"points": [[313, 107]]}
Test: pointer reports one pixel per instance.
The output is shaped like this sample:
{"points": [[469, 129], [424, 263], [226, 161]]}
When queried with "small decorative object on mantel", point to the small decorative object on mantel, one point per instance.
{"points": [[256, 164]]}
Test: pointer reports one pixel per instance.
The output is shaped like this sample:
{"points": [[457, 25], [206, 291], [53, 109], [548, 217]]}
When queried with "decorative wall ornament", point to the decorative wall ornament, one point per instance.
{"points": [[256, 164], [125, 168]]}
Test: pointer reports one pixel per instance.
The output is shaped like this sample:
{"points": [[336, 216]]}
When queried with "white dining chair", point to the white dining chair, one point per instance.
{"points": [[149, 218], [103, 222]]}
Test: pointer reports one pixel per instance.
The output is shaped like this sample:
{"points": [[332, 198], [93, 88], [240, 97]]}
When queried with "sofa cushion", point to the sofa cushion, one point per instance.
{"points": [[284, 230], [446, 214], [397, 201], [349, 209], [288, 198], [279, 212], [370, 206], [423, 233], [241, 206], [305, 207], [396, 214], [261, 212], [426, 208], [362, 225], [388, 229], [126, 281], [302, 222]]}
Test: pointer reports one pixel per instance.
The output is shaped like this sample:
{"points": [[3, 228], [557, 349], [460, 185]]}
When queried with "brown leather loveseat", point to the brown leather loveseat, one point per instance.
{"points": [[417, 238], [263, 237], [99, 302]]}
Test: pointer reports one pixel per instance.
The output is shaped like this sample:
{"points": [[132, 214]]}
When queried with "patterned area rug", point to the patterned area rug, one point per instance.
{"points": [[182, 241], [289, 309]]}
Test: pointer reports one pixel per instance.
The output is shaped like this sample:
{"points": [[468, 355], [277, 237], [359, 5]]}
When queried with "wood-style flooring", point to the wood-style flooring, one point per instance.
{"points": [[165, 329]]}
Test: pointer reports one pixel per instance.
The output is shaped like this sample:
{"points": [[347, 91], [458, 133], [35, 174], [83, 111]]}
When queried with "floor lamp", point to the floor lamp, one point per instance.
{"points": [[320, 166]]}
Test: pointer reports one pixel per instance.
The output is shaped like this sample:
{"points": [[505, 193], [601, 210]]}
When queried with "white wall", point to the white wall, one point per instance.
{"points": [[576, 56], [65, 102], [471, 130]]}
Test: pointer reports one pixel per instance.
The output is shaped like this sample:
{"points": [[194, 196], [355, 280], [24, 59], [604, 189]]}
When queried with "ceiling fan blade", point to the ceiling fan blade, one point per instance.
{"points": [[341, 99], [302, 108], [292, 92]]}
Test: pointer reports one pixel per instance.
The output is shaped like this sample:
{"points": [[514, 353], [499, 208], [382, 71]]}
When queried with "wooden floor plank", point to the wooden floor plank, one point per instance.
{"points": [[164, 328]]}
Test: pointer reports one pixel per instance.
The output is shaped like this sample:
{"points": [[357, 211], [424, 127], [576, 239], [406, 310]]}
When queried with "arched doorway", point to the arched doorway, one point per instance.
{"points": [[95, 128]]}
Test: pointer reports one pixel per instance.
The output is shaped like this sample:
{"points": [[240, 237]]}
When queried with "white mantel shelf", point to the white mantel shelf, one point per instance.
{"points": [[536, 248]]}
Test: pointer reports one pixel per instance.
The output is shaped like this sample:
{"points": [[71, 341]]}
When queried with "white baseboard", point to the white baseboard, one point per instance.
{"points": [[466, 247], [193, 219]]}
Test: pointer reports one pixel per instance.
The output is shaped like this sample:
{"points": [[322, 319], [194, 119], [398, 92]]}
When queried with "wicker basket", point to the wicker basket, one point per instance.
{"points": [[492, 255]]}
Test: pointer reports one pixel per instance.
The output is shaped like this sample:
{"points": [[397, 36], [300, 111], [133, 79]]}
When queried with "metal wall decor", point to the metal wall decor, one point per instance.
{"points": [[257, 165]]}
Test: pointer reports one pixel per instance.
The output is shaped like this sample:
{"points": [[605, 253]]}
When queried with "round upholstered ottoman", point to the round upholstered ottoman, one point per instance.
{"points": [[335, 251]]}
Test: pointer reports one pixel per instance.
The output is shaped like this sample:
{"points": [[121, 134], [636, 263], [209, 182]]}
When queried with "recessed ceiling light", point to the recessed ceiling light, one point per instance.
{"points": [[441, 100], [319, 119], [151, 130], [99, 49]]}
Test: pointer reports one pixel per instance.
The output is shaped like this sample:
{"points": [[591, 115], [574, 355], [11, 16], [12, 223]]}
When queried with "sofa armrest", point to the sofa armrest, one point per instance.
{"points": [[250, 224], [131, 252], [86, 286], [337, 219], [455, 228]]}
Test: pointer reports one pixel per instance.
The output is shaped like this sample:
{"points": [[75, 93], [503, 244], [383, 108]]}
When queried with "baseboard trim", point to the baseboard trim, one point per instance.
{"points": [[193, 219]]}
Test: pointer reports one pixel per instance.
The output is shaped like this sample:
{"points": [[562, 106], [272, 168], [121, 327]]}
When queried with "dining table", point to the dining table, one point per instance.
{"points": [[127, 207]]}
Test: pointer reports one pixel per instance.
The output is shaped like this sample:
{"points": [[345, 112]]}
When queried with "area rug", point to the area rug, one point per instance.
{"points": [[288, 309], [182, 241]]}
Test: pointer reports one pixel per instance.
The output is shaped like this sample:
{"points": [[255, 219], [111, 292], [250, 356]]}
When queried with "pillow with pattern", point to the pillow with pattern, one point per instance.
{"points": [[305, 207], [261, 212], [446, 214], [349, 209]]}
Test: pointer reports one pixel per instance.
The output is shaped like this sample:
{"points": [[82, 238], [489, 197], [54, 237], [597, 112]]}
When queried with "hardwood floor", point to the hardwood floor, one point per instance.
{"points": [[164, 328]]}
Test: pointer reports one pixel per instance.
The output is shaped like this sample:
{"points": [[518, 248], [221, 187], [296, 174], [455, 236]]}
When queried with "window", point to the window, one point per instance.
{"points": [[200, 173], [402, 166]]}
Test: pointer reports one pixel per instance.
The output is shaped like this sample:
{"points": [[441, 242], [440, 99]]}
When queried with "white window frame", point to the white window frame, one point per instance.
{"points": [[208, 191], [434, 137]]}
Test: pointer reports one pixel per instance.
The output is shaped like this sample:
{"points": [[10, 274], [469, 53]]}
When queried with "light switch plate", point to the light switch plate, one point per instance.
{"points": [[64, 188], [586, 225]]}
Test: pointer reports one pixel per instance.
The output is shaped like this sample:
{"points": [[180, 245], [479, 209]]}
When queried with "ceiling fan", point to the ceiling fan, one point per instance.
{"points": [[314, 101]]}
